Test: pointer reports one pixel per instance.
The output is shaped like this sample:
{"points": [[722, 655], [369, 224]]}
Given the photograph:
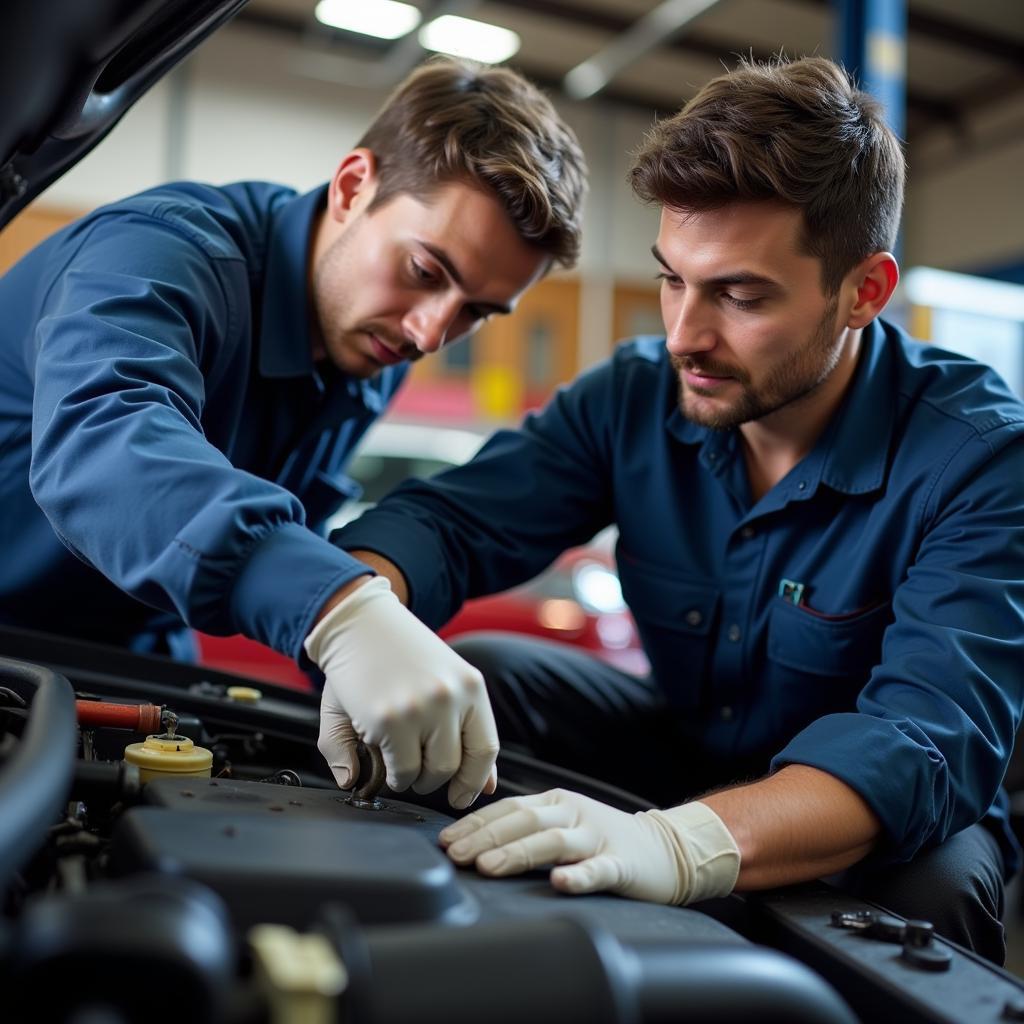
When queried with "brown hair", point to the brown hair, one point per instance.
{"points": [[452, 120], [799, 133]]}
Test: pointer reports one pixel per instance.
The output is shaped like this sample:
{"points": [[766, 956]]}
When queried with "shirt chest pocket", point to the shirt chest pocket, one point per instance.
{"points": [[845, 646], [818, 666], [674, 615]]}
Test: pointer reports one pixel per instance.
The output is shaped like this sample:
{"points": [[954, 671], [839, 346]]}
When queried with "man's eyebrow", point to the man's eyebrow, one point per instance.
{"points": [[453, 272], [656, 253], [740, 277], [444, 259]]}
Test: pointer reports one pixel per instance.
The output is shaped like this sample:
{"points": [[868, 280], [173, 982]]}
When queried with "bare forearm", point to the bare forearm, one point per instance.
{"points": [[383, 568], [796, 825], [388, 570]]}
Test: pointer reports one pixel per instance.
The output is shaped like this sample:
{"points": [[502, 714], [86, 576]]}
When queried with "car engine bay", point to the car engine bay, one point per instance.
{"points": [[214, 871]]}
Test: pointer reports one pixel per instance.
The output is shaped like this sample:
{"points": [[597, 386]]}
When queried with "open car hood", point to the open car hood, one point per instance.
{"points": [[69, 70]]}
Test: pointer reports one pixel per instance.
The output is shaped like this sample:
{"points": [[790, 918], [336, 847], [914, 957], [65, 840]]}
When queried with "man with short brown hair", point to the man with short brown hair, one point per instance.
{"points": [[187, 371], [820, 537]]}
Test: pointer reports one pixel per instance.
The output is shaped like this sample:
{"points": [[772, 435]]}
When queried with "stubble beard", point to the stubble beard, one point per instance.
{"points": [[339, 337], [793, 380], [329, 308]]}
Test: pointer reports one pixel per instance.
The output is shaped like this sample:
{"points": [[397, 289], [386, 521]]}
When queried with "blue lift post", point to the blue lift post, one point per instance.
{"points": [[871, 43]]}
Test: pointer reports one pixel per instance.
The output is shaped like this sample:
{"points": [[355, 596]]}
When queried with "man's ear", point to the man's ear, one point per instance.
{"points": [[874, 281], [353, 185]]}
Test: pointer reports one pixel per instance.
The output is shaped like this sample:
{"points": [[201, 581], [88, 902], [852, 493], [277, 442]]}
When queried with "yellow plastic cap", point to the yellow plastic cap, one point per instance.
{"points": [[245, 694], [165, 755]]}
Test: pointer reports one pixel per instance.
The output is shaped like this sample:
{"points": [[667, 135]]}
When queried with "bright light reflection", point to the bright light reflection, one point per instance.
{"points": [[464, 37], [615, 631], [598, 588], [385, 19], [561, 614]]}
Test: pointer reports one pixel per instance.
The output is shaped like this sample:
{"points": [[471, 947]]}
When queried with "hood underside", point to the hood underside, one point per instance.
{"points": [[70, 70]]}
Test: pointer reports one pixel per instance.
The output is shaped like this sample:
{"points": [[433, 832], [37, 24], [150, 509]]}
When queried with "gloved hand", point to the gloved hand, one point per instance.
{"points": [[677, 856], [393, 683]]}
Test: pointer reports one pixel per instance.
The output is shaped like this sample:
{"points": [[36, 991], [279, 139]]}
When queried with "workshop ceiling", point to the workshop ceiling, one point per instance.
{"points": [[962, 55]]}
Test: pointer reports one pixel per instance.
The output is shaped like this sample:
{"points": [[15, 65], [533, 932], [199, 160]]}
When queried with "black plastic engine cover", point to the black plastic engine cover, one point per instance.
{"points": [[271, 869], [305, 847]]}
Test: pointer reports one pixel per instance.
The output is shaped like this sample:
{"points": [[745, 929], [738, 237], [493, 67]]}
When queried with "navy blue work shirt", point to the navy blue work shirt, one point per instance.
{"points": [[865, 616], [161, 418]]}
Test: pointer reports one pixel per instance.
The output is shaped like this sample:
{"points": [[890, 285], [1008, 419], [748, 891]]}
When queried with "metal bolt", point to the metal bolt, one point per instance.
{"points": [[919, 933], [919, 949]]}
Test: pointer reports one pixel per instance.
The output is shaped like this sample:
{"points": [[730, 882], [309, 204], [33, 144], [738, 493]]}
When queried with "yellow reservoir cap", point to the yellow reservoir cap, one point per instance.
{"points": [[245, 694], [159, 756]]}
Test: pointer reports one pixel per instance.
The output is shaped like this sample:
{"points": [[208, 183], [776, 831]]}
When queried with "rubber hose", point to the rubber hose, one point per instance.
{"points": [[35, 781]]}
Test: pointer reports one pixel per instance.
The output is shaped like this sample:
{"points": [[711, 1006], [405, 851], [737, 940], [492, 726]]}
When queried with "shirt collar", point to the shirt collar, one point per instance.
{"points": [[285, 338], [857, 451], [852, 453]]}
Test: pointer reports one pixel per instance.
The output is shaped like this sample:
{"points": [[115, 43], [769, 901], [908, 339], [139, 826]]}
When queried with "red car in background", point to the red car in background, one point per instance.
{"points": [[577, 600]]}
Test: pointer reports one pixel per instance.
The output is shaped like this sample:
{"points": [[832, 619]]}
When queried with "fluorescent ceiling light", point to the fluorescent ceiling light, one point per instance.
{"points": [[385, 19], [463, 37]]}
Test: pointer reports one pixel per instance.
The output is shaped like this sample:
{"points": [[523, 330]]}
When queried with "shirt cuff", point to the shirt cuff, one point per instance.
{"points": [[891, 764], [284, 584]]}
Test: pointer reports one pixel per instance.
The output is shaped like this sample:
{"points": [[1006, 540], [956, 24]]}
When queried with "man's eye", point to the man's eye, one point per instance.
{"points": [[421, 273], [664, 275], [738, 303]]}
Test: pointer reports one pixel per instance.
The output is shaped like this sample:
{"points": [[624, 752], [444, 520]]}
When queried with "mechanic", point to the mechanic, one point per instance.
{"points": [[186, 372], [820, 537]]}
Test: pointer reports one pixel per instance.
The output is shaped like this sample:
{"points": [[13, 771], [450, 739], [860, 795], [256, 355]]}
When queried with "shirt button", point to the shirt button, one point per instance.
{"points": [[802, 486], [748, 532], [725, 713], [694, 617], [734, 633]]}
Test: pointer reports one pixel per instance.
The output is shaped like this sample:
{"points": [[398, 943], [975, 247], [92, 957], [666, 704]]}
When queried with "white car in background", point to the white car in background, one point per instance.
{"points": [[392, 452]]}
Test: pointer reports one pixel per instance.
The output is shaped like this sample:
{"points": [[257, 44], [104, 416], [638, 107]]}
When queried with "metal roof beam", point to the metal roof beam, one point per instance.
{"points": [[654, 29]]}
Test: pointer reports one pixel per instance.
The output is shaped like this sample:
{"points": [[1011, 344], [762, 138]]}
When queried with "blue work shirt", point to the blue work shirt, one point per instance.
{"points": [[865, 616], [161, 417]]}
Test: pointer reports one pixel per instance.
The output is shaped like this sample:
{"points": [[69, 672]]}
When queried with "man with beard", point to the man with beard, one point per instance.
{"points": [[820, 537], [186, 372]]}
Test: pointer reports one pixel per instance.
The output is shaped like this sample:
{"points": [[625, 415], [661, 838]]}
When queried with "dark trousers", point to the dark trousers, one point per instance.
{"points": [[564, 707]]}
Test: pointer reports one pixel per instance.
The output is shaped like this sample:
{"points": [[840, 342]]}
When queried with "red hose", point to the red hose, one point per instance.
{"points": [[144, 718]]}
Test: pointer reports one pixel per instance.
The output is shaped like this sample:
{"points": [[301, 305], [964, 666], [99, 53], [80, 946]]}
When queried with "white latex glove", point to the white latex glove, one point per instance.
{"points": [[393, 683], [677, 856]]}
